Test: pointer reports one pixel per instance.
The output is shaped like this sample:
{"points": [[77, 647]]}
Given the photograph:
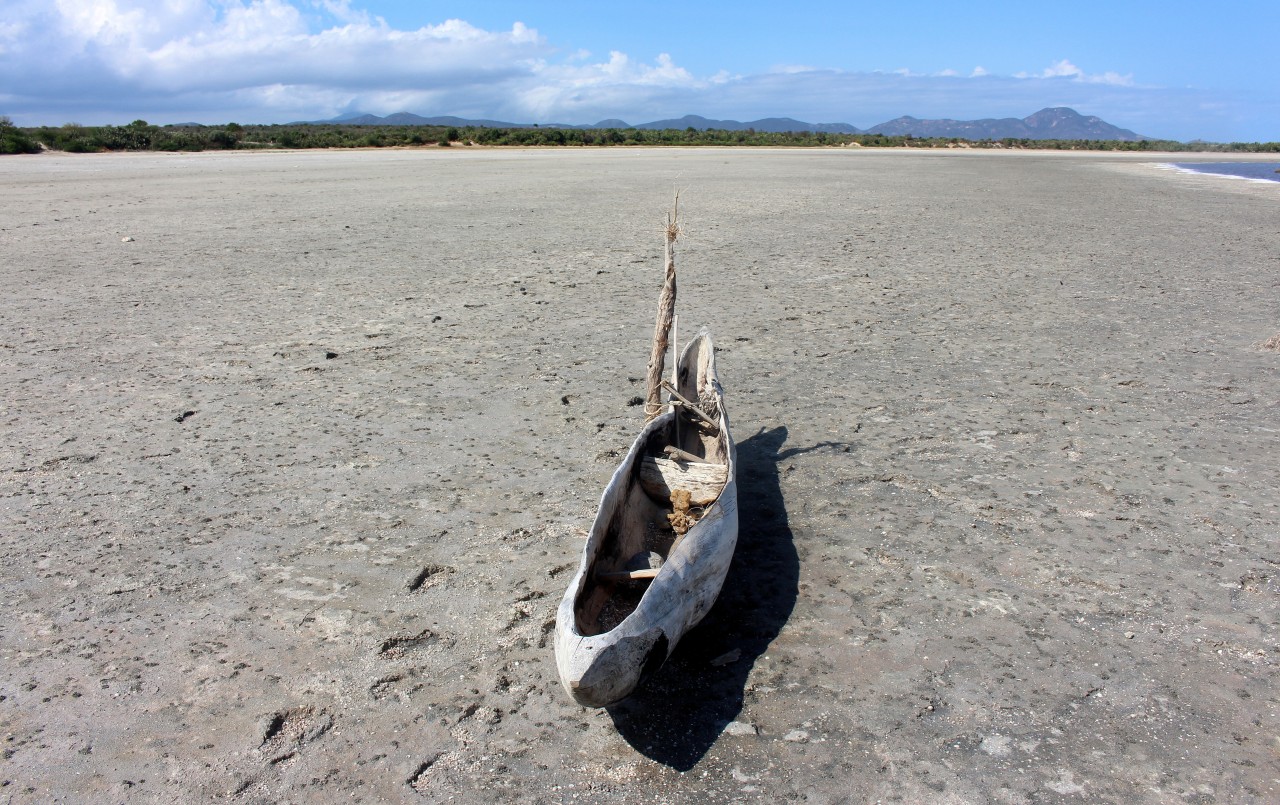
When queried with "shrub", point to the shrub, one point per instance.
{"points": [[14, 140], [291, 139]]}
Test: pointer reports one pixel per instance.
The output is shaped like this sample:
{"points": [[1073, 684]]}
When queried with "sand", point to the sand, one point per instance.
{"points": [[299, 450]]}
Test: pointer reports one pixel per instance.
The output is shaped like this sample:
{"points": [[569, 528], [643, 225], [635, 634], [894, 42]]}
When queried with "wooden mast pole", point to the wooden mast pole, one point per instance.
{"points": [[662, 326]]}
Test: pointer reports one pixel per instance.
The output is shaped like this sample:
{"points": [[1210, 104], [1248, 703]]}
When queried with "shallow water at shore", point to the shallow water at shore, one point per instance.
{"points": [[1257, 171]]}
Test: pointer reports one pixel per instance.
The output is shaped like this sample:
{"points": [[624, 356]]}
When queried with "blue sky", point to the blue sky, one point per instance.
{"points": [[1169, 69]]}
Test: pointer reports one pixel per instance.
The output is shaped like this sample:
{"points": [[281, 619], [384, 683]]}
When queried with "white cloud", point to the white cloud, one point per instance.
{"points": [[284, 60], [789, 69], [663, 73], [1062, 68], [1065, 69], [568, 91], [164, 55], [341, 10]]}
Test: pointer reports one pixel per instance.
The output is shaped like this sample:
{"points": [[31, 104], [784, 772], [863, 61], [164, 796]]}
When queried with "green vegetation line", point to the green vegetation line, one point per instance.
{"points": [[142, 136]]}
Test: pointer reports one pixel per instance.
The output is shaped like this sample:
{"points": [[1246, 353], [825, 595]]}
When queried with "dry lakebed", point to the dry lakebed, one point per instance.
{"points": [[299, 450]]}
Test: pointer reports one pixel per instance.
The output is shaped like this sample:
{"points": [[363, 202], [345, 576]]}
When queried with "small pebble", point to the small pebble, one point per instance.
{"points": [[727, 657], [1128, 635], [126, 239], [796, 737], [741, 728]]}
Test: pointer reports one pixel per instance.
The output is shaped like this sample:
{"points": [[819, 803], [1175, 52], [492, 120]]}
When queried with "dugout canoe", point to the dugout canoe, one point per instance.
{"points": [[642, 584]]}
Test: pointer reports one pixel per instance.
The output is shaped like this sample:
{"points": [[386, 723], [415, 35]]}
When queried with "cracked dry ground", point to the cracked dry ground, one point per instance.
{"points": [[291, 483]]}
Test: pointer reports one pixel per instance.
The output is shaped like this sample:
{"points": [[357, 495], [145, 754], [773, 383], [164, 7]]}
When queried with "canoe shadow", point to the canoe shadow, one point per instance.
{"points": [[676, 716]]}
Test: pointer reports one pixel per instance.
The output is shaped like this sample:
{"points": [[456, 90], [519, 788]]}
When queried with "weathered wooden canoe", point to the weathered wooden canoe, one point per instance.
{"points": [[644, 580]]}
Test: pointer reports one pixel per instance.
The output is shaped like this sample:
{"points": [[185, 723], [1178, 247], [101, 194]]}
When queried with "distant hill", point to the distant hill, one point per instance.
{"points": [[771, 124], [410, 119], [1057, 123]]}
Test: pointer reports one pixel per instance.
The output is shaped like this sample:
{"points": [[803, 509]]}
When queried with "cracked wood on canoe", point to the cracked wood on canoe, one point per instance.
{"points": [[661, 476]]}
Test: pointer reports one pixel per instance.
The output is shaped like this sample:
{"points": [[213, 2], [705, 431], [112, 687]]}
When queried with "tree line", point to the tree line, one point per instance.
{"points": [[143, 136]]}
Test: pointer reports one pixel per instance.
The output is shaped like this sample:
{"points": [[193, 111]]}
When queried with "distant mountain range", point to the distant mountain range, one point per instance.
{"points": [[1057, 123]]}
